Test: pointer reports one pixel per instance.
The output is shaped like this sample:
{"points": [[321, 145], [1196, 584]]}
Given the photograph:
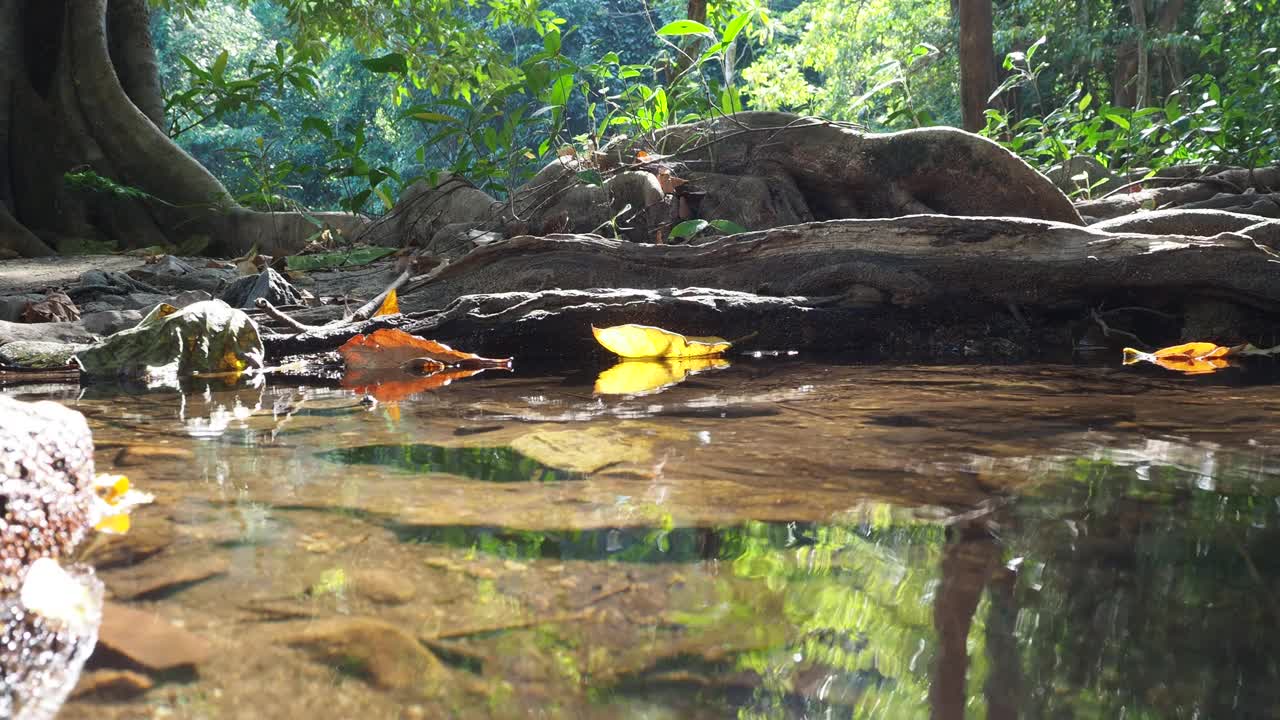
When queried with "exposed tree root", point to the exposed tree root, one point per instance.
{"points": [[919, 286]]}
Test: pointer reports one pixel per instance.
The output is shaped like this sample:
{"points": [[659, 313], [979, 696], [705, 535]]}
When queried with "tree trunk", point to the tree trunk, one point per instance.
{"points": [[977, 69], [134, 56], [1142, 81], [692, 47], [79, 91], [1131, 79]]}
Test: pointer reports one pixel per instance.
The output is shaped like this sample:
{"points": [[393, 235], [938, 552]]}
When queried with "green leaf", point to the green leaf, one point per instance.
{"points": [[687, 229], [1118, 119], [735, 27], [219, 67], [685, 27], [389, 63], [728, 227], [560, 90], [346, 258], [316, 124], [551, 41], [591, 177], [435, 117]]}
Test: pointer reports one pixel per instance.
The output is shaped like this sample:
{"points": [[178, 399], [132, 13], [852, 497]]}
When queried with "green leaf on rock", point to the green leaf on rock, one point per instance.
{"points": [[688, 229], [342, 258], [728, 227]]}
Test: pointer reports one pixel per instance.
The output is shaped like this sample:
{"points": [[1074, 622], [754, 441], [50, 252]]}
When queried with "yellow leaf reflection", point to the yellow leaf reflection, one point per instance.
{"points": [[637, 377]]}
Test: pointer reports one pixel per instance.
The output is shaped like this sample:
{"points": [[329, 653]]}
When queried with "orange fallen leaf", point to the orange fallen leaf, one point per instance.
{"points": [[391, 348], [1194, 350], [389, 306], [1193, 358]]}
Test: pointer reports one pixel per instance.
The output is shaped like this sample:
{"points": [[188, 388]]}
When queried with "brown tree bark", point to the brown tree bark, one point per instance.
{"points": [[79, 91], [1131, 78], [134, 56], [1142, 78], [697, 12], [977, 62]]}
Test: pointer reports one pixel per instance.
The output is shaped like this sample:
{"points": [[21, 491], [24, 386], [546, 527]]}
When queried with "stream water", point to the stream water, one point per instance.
{"points": [[775, 539]]}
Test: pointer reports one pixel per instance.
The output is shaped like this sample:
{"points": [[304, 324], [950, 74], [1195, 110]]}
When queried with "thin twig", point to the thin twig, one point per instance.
{"points": [[276, 313], [1108, 331]]}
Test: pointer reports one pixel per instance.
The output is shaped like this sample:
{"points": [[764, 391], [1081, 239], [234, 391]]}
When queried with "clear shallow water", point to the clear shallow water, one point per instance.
{"points": [[772, 540]]}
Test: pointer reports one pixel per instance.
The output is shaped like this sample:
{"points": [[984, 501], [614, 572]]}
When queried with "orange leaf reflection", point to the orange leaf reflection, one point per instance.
{"points": [[392, 385]]}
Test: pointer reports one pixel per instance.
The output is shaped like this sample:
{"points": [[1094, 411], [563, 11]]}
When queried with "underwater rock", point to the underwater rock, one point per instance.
{"points": [[384, 655], [383, 587], [165, 575], [112, 684], [149, 640]]}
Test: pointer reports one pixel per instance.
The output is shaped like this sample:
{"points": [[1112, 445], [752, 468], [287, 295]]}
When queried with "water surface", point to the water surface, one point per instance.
{"points": [[777, 539]]}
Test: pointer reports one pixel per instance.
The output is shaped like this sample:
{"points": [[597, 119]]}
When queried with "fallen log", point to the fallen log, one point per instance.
{"points": [[875, 286]]}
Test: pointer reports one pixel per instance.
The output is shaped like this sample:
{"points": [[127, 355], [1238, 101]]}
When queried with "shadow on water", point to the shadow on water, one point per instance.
{"points": [[490, 464]]}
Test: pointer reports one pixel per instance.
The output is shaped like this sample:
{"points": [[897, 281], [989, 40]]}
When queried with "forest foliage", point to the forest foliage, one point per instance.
{"points": [[331, 103]]}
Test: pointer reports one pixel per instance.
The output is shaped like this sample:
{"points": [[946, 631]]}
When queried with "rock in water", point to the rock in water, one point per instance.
{"points": [[384, 655], [50, 615], [204, 337]]}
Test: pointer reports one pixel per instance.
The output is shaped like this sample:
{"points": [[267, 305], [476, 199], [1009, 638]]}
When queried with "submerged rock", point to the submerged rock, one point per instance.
{"points": [[383, 587], [149, 640], [112, 684], [384, 655]]}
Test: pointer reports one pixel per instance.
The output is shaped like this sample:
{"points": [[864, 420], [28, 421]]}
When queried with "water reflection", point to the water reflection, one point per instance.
{"points": [[800, 542], [490, 464]]}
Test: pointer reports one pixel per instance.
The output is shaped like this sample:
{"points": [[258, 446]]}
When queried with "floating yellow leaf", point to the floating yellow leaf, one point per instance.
{"points": [[639, 342], [389, 306], [638, 377], [1194, 358]]}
